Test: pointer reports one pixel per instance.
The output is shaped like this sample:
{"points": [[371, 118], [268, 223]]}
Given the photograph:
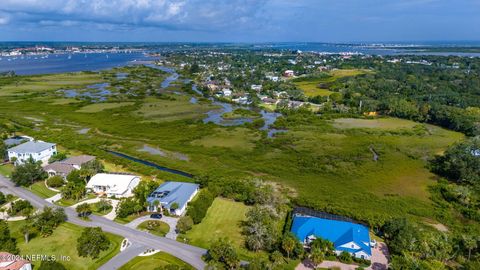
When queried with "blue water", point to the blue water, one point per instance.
{"points": [[59, 63], [370, 49]]}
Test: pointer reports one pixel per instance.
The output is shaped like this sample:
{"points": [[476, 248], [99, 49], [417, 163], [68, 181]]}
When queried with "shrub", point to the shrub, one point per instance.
{"points": [[55, 181], [20, 208], [3, 199], [57, 157], [198, 209], [345, 257], [184, 224]]}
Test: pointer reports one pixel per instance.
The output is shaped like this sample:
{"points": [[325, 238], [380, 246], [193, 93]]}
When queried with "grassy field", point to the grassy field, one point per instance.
{"points": [[164, 110], [69, 202], [223, 219], [41, 190], [64, 236], [6, 170], [380, 123], [313, 86], [160, 259], [239, 138], [155, 227], [327, 164], [38, 84], [98, 107]]}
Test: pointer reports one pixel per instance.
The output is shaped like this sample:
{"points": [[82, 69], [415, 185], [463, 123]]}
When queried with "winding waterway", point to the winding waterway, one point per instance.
{"points": [[215, 115]]}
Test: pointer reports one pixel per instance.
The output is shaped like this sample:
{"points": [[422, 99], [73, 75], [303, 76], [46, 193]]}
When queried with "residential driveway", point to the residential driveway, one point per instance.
{"points": [[380, 257], [190, 254], [379, 260], [171, 221], [55, 198], [113, 214], [123, 257]]}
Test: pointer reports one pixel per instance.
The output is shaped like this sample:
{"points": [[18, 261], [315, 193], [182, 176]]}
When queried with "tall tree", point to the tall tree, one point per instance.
{"points": [[91, 242], [7, 242], [27, 173]]}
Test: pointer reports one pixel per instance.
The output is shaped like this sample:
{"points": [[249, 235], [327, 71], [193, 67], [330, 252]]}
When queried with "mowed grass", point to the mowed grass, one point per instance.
{"points": [[312, 88], [164, 110], [41, 190], [155, 261], [155, 227], [380, 123], [240, 138], [6, 170], [63, 242], [50, 82], [98, 107], [224, 219]]}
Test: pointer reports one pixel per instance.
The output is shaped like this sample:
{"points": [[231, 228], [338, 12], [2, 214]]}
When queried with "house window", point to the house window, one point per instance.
{"points": [[363, 257], [353, 246]]}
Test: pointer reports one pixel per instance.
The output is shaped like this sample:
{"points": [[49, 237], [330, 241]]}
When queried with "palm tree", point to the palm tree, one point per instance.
{"points": [[27, 229], [316, 256], [470, 243]]}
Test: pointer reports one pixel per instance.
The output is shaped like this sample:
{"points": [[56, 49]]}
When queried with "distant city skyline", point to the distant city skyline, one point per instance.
{"points": [[247, 21]]}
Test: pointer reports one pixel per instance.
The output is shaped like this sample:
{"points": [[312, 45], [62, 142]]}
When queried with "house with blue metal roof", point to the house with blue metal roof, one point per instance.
{"points": [[171, 194], [345, 236]]}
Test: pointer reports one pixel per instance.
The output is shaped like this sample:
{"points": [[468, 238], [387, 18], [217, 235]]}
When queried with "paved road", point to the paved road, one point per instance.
{"points": [[123, 257], [187, 253]]}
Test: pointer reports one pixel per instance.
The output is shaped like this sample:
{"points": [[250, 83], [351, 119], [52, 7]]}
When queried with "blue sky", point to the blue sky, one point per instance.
{"points": [[239, 20]]}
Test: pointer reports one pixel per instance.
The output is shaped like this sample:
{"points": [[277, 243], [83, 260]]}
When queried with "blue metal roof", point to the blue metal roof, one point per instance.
{"points": [[337, 232], [173, 192]]}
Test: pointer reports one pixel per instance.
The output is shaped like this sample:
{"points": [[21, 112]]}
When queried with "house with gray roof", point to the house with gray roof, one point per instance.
{"points": [[37, 150], [172, 197], [65, 167]]}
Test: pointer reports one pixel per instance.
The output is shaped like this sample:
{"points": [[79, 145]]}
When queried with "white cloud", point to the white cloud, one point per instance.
{"points": [[4, 18], [170, 14]]}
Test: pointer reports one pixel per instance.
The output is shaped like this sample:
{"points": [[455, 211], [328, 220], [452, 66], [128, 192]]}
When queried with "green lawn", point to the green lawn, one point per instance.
{"points": [[63, 242], [155, 227], [130, 218], [312, 86], [70, 202], [6, 170], [311, 89], [223, 219], [41, 190], [160, 259]]}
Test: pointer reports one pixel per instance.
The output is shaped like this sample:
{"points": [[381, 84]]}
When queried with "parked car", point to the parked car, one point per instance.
{"points": [[156, 215]]}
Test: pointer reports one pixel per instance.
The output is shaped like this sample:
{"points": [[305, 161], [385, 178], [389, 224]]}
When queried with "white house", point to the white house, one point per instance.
{"points": [[288, 73], [38, 150], [226, 92], [256, 87], [118, 185]]}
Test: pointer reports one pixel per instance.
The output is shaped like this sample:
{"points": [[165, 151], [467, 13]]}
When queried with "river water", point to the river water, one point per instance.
{"points": [[215, 115]]}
